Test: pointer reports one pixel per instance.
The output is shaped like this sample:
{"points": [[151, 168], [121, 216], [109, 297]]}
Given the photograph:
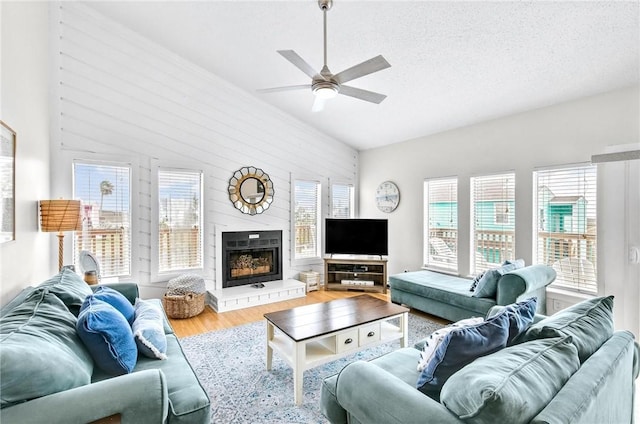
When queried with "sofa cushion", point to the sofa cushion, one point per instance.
{"points": [[70, 288], [40, 352], [117, 300], [148, 329], [108, 337], [512, 385], [460, 347], [520, 314], [488, 285], [188, 402], [590, 323]]}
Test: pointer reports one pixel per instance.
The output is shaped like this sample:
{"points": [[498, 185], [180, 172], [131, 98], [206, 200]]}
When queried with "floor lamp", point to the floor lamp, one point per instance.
{"points": [[58, 216]]}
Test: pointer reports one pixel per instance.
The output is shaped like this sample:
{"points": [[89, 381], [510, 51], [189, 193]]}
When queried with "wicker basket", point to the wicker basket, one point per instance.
{"points": [[183, 306]]}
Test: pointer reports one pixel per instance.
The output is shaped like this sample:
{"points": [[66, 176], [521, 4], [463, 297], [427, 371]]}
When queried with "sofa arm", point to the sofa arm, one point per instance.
{"points": [[373, 395], [129, 290], [139, 398], [524, 283]]}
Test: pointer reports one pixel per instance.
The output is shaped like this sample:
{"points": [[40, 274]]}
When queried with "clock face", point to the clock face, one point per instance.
{"points": [[387, 196]]}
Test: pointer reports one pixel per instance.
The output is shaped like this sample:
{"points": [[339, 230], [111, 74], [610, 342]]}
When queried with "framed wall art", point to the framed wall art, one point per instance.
{"points": [[7, 183]]}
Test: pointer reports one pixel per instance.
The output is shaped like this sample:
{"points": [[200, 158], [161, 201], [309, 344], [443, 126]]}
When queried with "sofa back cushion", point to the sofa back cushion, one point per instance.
{"points": [[40, 352], [512, 385], [590, 323], [460, 347], [70, 288]]}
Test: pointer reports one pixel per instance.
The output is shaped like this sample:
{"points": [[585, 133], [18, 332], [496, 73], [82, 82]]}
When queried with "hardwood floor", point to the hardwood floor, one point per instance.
{"points": [[209, 320]]}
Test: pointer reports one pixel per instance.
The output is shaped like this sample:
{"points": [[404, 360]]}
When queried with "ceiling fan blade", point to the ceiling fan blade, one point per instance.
{"points": [[300, 63], [367, 67], [361, 94], [286, 88], [318, 104]]}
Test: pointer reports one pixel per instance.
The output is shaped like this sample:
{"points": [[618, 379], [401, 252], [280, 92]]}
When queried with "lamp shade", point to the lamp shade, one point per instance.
{"points": [[60, 215]]}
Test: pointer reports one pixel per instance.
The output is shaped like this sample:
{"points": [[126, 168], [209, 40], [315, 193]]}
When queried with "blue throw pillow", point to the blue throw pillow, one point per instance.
{"points": [[117, 300], [107, 336], [488, 284], [148, 329], [520, 315], [460, 347]]}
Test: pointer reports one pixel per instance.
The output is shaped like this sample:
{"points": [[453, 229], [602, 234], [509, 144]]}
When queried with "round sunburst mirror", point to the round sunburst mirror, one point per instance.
{"points": [[251, 190]]}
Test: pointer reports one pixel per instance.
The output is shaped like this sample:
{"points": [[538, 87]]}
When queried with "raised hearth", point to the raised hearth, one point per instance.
{"points": [[251, 270]]}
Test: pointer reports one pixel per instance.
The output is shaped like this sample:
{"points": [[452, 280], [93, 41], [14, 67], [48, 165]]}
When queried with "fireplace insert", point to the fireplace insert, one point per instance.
{"points": [[251, 257]]}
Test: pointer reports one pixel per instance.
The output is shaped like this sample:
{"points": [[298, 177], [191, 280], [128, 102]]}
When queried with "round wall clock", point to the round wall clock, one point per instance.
{"points": [[387, 196]]}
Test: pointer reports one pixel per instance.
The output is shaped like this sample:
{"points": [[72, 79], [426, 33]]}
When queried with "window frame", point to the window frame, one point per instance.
{"points": [[475, 269], [426, 227], [156, 274], [105, 160], [538, 227], [317, 257], [352, 201]]}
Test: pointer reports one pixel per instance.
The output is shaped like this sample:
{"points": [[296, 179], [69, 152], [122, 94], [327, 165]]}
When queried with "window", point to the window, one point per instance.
{"points": [[179, 220], [306, 219], [342, 201], [105, 195], [493, 214], [441, 223], [565, 236]]}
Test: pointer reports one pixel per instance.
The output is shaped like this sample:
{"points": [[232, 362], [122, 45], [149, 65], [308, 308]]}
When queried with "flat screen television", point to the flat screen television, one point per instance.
{"points": [[356, 236]]}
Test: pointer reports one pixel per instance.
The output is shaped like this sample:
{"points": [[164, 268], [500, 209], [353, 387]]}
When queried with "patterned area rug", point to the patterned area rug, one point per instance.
{"points": [[231, 367]]}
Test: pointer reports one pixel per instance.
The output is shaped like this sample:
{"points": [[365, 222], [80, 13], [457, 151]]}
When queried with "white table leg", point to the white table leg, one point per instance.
{"points": [[298, 371], [404, 322], [270, 332]]}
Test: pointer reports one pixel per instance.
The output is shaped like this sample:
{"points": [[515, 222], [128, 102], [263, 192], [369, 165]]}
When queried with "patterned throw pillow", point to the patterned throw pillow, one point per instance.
{"points": [[476, 280], [148, 329]]}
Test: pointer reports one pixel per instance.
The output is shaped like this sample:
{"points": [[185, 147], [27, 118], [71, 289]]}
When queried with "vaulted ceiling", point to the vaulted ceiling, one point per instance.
{"points": [[453, 63]]}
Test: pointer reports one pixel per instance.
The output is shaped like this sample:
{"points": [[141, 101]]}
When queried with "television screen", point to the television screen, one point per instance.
{"points": [[356, 236]]}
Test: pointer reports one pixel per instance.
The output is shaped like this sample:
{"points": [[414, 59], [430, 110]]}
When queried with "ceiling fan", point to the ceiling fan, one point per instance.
{"points": [[326, 85]]}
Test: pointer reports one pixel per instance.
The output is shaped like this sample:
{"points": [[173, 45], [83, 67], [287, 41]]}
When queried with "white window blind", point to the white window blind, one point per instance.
{"points": [[105, 195], [307, 219], [441, 223], [179, 220], [342, 201], [565, 213], [493, 204]]}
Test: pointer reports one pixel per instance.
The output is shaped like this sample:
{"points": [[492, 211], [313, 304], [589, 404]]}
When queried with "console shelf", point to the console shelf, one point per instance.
{"points": [[368, 275]]}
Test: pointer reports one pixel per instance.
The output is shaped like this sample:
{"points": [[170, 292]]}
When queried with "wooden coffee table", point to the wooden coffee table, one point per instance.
{"points": [[311, 335]]}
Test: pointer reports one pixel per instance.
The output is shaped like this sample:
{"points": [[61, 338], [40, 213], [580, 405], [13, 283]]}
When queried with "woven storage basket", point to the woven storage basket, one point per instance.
{"points": [[183, 306]]}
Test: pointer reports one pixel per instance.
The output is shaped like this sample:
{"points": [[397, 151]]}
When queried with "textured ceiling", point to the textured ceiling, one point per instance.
{"points": [[453, 63]]}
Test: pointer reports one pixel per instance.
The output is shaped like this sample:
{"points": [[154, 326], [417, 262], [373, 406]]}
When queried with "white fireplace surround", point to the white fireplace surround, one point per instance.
{"points": [[240, 297]]}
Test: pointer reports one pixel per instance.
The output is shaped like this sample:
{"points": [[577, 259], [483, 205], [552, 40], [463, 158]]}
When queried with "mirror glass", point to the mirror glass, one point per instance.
{"points": [[250, 190]]}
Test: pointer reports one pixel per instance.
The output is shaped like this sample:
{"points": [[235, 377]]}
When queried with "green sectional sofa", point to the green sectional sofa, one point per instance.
{"points": [[449, 296], [47, 374], [569, 368]]}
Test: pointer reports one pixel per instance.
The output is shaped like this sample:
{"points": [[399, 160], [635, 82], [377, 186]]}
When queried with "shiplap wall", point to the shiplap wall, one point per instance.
{"points": [[119, 96]]}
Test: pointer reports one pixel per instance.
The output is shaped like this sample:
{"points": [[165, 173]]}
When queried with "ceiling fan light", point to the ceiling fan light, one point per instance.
{"points": [[326, 92]]}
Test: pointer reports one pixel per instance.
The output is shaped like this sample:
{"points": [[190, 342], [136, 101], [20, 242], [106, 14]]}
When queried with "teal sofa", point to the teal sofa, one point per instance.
{"points": [[448, 296], [48, 376], [585, 375]]}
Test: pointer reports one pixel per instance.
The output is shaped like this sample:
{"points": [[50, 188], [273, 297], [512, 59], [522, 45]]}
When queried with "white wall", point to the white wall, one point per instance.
{"points": [[124, 98], [562, 134], [24, 107]]}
